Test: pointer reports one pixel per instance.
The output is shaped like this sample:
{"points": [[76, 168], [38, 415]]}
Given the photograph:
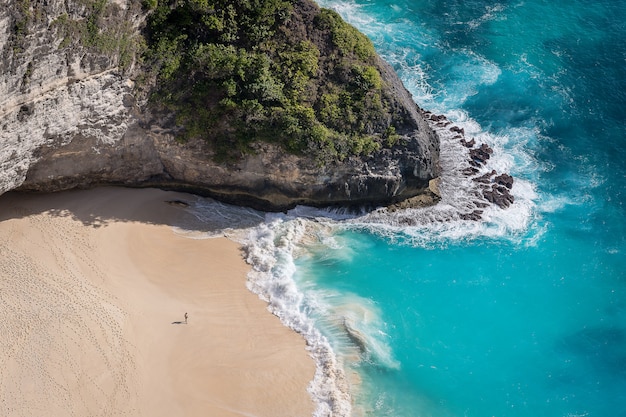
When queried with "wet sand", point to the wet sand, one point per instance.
{"points": [[94, 286]]}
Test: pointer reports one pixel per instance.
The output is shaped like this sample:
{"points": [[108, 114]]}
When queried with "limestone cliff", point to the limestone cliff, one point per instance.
{"points": [[72, 116]]}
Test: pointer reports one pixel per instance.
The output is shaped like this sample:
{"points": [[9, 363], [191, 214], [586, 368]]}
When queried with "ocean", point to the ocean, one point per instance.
{"points": [[522, 313]]}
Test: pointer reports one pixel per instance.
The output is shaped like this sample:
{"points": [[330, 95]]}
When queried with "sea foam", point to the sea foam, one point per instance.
{"points": [[270, 250]]}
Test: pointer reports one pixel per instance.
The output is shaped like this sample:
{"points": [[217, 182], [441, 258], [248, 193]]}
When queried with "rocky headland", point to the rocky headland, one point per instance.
{"points": [[99, 93], [76, 112]]}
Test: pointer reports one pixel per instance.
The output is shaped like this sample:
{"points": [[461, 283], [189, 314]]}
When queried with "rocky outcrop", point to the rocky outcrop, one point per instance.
{"points": [[491, 187], [55, 91], [268, 180], [71, 116]]}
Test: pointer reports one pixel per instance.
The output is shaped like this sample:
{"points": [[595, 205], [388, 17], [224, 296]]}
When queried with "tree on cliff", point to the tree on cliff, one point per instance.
{"points": [[235, 72]]}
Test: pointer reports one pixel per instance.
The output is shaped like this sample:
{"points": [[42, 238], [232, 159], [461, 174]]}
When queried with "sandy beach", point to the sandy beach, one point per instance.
{"points": [[94, 286]]}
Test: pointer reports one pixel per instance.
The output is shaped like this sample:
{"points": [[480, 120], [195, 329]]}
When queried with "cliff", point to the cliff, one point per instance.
{"points": [[77, 88]]}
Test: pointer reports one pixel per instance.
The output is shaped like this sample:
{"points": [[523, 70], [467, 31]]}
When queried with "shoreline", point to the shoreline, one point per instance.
{"points": [[96, 284]]}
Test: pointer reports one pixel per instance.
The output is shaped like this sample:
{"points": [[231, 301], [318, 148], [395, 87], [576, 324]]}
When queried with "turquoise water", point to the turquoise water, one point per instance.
{"points": [[523, 315], [520, 314]]}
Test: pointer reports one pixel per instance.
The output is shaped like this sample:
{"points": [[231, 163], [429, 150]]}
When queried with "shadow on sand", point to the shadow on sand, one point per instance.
{"points": [[99, 207]]}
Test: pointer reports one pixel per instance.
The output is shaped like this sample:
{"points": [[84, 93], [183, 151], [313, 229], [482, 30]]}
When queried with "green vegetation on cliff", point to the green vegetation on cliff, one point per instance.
{"points": [[238, 71], [233, 72], [101, 27]]}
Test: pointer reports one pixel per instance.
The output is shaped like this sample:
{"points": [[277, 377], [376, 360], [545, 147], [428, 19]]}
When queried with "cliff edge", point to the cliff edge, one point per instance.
{"points": [[87, 98]]}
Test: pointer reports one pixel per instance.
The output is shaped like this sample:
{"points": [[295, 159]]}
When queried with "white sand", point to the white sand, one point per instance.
{"points": [[92, 284]]}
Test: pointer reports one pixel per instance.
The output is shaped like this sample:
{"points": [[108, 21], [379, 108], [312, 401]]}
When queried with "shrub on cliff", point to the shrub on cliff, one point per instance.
{"points": [[235, 72]]}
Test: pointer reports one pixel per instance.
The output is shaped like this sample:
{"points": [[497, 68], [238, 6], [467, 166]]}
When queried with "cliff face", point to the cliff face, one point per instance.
{"points": [[71, 116], [55, 92]]}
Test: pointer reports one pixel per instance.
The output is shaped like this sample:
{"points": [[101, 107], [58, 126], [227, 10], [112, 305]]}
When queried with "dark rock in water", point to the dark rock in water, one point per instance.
{"points": [[473, 216], [469, 171], [437, 117], [499, 196], [491, 187], [480, 155], [504, 179], [489, 195], [420, 201], [468, 144], [457, 130], [485, 178]]}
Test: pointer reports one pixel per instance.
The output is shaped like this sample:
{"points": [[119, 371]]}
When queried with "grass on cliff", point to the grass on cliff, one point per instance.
{"points": [[235, 72], [101, 27]]}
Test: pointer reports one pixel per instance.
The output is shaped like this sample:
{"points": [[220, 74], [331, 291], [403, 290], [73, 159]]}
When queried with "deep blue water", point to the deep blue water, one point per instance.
{"points": [[523, 314], [520, 314]]}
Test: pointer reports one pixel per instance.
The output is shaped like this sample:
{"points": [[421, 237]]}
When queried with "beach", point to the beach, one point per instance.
{"points": [[94, 289]]}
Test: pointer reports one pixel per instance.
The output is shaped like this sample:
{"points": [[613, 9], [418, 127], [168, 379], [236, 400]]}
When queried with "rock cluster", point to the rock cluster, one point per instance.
{"points": [[497, 188], [493, 188]]}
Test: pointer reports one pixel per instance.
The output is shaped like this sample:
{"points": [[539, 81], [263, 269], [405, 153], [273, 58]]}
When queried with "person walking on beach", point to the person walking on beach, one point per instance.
{"points": [[186, 318]]}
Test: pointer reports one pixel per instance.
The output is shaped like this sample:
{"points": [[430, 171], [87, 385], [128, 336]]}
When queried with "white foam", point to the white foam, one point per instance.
{"points": [[352, 13], [354, 325], [270, 248], [413, 74], [208, 218], [491, 13], [362, 320]]}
